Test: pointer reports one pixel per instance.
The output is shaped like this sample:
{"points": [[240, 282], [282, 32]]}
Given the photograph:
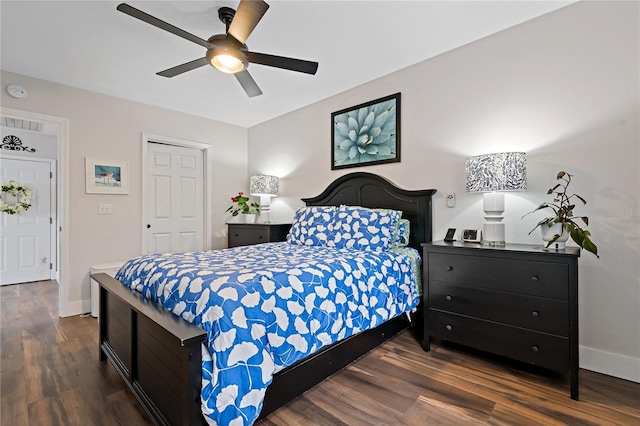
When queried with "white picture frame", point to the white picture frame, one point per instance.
{"points": [[106, 176]]}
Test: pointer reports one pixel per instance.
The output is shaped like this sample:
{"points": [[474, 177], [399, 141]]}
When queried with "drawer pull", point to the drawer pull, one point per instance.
{"points": [[535, 314], [235, 235], [259, 237], [535, 348], [448, 327], [448, 297], [535, 278], [449, 268]]}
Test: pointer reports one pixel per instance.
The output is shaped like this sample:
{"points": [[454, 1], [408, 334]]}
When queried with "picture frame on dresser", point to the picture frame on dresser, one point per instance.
{"points": [[518, 301]]}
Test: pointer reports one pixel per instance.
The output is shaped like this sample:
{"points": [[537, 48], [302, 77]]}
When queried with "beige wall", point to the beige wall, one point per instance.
{"points": [[106, 127], [564, 88]]}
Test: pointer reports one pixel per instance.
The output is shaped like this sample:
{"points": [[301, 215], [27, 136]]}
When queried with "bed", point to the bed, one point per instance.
{"points": [[159, 356]]}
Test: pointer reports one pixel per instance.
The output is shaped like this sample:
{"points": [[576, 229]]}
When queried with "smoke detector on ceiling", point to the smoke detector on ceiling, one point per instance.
{"points": [[17, 91]]}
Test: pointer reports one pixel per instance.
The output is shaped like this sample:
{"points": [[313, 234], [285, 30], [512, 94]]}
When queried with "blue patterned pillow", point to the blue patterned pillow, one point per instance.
{"points": [[311, 226], [401, 238], [360, 228]]}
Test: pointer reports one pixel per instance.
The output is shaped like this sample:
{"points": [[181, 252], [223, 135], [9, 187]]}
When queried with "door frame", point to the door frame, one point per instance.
{"points": [[53, 213], [207, 156], [65, 306]]}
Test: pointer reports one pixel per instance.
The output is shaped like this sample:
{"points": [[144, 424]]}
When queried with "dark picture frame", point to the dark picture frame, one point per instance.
{"points": [[366, 134]]}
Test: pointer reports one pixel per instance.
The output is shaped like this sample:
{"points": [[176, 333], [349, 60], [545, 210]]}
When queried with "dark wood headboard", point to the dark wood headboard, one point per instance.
{"points": [[373, 191]]}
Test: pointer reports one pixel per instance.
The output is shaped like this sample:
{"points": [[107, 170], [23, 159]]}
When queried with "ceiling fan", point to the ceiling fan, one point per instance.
{"points": [[228, 52]]}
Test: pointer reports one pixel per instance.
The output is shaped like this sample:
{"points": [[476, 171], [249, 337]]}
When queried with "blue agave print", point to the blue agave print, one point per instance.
{"points": [[366, 134]]}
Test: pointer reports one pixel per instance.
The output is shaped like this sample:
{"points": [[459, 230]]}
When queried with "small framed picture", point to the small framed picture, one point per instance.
{"points": [[106, 176], [366, 134]]}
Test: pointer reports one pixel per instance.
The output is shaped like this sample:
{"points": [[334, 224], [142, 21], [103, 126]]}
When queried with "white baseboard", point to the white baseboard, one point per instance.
{"points": [[77, 307], [611, 364]]}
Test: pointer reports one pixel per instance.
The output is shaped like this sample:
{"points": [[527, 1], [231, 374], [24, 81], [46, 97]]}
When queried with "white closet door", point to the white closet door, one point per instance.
{"points": [[175, 199], [25, 238]]}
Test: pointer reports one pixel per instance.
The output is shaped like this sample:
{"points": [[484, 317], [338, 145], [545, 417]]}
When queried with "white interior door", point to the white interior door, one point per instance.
{"points": [[175, 199], [25, 238]]}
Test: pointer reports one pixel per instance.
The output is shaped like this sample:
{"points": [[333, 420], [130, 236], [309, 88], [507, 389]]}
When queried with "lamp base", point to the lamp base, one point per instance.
{"points": [[493, 232]]}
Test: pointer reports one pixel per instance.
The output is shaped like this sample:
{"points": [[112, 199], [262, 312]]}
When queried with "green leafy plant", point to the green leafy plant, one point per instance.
{"points": [[562, 207], [242, 206]]}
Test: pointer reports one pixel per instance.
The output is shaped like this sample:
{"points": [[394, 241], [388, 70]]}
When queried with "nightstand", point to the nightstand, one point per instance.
{"points": [[245, 234], [518, 301]]}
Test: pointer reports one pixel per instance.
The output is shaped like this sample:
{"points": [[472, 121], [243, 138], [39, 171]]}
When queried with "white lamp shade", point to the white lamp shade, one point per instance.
{"points": [[264, 185], [504, 171]]}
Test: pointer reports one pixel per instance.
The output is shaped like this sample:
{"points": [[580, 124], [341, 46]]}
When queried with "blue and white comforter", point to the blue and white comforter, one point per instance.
{"points": [[264, 307]]}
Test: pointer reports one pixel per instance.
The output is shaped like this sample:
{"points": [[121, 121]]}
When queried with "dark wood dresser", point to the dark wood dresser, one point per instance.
{"points": [[518, 301], [245, 234]]}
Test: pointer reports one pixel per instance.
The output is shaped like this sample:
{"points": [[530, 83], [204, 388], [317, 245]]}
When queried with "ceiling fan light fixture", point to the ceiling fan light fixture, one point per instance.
{"points": [[227, 60], [228, 63]]}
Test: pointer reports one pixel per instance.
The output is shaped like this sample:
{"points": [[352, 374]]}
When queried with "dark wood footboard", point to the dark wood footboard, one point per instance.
{"points": [[157, 354]]}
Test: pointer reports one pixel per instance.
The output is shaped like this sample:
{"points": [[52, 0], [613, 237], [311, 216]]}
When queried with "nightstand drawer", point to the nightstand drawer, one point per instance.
{"points": [[540, 349], [247, 235], [534, 313], [544, 279]]}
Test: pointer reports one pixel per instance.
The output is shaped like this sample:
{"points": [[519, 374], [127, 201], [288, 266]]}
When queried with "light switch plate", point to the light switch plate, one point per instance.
{"points": [[104, 208]]}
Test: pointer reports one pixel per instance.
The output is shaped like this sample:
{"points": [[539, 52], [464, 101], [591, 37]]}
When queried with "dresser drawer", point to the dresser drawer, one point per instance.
{"points": [[243, 236], [540, 349], [535, 313], [544, 279]]}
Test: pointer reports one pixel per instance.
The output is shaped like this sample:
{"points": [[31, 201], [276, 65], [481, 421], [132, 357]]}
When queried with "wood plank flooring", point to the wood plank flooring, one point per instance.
{"points": [[50, 375]]}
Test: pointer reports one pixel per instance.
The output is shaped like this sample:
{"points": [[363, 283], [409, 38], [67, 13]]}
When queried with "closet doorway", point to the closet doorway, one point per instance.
{"points": [[174, 195]]}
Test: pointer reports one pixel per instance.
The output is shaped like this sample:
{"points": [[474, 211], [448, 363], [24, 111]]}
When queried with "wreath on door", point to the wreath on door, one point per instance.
{"points": [[20, 193]]}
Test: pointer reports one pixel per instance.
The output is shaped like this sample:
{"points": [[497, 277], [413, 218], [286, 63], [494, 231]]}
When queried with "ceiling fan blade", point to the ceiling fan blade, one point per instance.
{"points": [[136, 13], [292, 64], [172, 72], [246, 18], [248, 83]]}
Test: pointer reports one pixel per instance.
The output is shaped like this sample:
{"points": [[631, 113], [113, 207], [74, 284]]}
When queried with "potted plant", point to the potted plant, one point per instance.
{"points": [[563, 223], [249, 210]]}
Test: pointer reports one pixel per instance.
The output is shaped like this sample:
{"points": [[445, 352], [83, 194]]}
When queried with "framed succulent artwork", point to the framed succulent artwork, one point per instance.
{"points": [[366, 134]]}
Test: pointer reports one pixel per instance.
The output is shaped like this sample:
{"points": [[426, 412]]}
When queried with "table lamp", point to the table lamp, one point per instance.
{"points": [[493, 174], [264, 186]]}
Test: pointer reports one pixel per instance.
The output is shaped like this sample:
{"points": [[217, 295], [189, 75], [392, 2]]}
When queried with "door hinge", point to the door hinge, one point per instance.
{"points": [[50, 175], [51, 266], [50, 221]]}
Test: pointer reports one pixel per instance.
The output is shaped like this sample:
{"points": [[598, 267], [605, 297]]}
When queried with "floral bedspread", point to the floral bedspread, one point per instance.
{"points": [[266, 306]]}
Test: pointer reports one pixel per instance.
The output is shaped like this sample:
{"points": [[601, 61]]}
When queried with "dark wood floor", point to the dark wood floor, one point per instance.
{"points": [[50, 375]]}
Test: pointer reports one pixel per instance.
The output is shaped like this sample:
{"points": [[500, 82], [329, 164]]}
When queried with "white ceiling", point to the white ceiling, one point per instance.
{"points": [[90, 45]]}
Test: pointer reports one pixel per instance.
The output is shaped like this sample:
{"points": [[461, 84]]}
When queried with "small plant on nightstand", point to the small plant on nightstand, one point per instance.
{"points": [[564, 221], [242, 206]]}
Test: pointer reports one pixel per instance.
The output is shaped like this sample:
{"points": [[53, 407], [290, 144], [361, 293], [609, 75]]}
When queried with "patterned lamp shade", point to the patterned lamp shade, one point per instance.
{"points": [[264, 185], [504, 171]]}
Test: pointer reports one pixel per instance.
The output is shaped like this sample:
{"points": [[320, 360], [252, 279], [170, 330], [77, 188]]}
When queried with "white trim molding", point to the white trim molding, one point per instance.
{"points": [[609, 363]]}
